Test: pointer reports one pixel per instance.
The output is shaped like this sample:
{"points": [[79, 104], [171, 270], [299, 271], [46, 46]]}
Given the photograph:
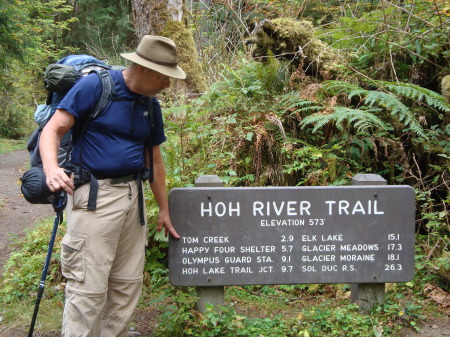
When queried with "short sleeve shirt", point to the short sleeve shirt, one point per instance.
{"points": [[112, 144]]}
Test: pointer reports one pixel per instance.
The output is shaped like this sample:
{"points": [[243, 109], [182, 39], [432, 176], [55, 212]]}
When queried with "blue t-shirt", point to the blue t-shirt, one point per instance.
{"points": [[113, 144]]}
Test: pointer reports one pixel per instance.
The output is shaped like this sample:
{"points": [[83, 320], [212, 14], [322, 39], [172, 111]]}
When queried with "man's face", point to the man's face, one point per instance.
{"points": [[153, 82]]}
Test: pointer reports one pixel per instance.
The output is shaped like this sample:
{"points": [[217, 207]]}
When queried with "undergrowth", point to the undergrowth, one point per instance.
{"points": [[278, 310], [289, 310]]}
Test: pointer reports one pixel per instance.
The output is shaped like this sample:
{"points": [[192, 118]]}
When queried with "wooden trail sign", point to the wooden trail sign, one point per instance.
{"points": [[292, 235]]}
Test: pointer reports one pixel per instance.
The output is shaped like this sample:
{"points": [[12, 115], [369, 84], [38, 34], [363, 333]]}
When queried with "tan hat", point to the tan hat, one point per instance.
{"points": [[157, 53]]}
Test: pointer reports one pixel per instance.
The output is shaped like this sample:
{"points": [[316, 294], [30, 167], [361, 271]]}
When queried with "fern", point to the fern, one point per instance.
{"points": [[418, 93], [338, 87], [292, 102], [360, 119], [393, 97], [318, 120], [396, 108]]}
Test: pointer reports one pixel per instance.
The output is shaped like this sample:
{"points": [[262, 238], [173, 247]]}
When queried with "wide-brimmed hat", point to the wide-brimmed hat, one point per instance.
{"points": [[157, 53]]}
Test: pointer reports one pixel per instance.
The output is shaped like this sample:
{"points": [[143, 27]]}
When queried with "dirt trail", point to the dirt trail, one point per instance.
{"points": [[16, 214]]}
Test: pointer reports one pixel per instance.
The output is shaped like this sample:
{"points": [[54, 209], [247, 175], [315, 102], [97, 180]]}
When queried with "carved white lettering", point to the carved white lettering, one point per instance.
{"points": [[214, 270], [216, 239], [241, 270], [360, 257], [220, 209], [289, 208], [238, 259], [190, 239], [282, 222], [333, 237], [309, 237], [359, 247], [266, 269], [319, 248], [264, 259], [195, 250], [318, 258], [257, 249], [333, 267], [343, 207], [225, 249], [200, 260]]}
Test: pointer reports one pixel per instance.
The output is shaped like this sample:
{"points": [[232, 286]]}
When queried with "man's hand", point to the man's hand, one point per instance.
{"points": [[57, 179], [164, 220]]}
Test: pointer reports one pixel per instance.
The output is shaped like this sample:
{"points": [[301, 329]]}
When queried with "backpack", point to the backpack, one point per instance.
{"points": [[59, 78]]}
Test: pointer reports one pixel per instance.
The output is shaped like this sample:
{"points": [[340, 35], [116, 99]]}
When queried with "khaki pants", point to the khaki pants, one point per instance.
{"points": [[102, 257]]}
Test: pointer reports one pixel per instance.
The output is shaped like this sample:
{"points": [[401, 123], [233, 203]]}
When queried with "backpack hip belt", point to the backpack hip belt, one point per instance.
{"points": [[83, 176]]}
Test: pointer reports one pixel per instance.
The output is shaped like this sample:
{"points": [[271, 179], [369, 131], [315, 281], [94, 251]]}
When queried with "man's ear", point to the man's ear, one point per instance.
{"points": [[141, 69]]}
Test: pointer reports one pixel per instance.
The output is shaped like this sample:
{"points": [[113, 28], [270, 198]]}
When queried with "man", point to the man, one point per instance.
{"points": [[103, 251]]}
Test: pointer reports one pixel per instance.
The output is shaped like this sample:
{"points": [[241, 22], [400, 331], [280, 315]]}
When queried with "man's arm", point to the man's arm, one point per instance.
{"points": [[159, 191], [49, 142]]}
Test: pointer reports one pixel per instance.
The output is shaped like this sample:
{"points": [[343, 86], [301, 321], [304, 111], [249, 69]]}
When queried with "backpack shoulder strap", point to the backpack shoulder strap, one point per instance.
{"points": [[151, 116], [108, 93], [151, 111]]}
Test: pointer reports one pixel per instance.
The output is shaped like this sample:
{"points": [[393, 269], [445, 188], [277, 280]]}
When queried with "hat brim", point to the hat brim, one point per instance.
{"points": [[171, 71]]}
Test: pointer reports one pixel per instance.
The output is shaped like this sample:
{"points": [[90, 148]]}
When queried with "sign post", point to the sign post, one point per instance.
{"points": [[367, 295], [209, 295]]}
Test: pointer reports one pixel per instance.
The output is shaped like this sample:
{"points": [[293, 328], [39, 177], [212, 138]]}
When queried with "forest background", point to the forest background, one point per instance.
{"points": [[285, 93]]}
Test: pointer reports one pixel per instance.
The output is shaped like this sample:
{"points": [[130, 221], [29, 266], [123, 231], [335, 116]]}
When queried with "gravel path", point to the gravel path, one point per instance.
{"points": [[16, 214]]}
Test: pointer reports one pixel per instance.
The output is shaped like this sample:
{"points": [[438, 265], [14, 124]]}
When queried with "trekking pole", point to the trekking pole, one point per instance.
{"points": [[59, 203]]}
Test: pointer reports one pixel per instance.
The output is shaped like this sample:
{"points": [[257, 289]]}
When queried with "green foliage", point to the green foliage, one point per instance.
{"points": [[434, 226], [396, 42], [9, 39], [344, 118], [180, 320], [322, 165], [18, 94], [178, 314], [329, 316], [224, 125], [29, 31], [416, 93], [22, 272], [157, 244], [220, 30], [369, 120], [103, 28], [250, 130], [188, 131], [8, 145], [342, 321], [387, 98]]}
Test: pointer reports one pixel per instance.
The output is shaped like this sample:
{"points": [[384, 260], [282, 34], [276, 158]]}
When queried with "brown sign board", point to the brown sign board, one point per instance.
{"points": [[292, 235]]}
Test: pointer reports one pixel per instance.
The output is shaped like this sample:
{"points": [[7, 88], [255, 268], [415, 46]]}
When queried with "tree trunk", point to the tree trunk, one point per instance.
{"points": [[166, 18]]}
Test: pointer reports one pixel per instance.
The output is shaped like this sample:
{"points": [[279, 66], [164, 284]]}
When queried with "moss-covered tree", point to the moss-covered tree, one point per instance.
{"points": [[167, 18]]}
